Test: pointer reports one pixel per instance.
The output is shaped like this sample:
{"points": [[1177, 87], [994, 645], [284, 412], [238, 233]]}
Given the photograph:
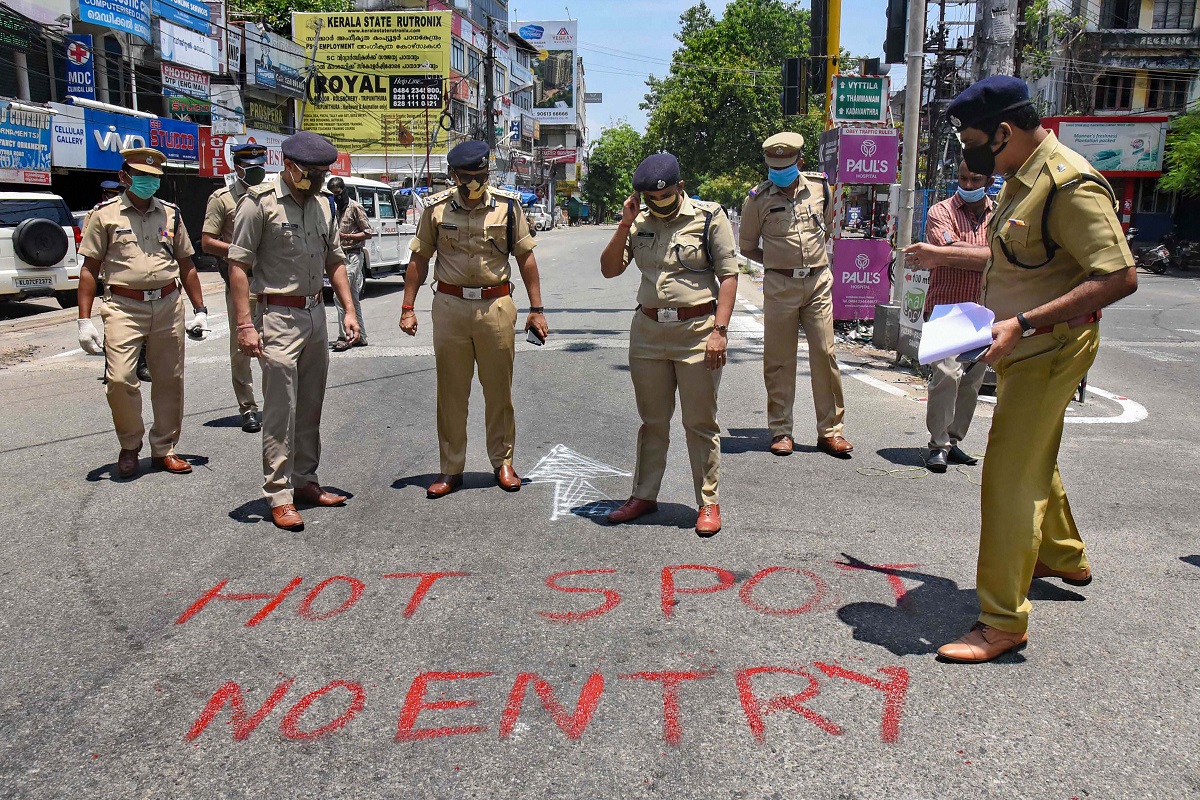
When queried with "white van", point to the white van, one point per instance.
{"points": [[385, 253], [38, 240]]}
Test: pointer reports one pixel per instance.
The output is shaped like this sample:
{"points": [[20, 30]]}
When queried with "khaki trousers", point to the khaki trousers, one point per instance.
{"points": [[159, 323], [953, 393], [788, 304], [655, 382], [239, 362], [467, 333], [295, 364], [357, 277], [1025, 514]]}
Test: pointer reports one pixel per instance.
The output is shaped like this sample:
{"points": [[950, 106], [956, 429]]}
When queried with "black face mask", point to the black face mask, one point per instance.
{"points": [[341, 201], [663, 209], [981, 159]]}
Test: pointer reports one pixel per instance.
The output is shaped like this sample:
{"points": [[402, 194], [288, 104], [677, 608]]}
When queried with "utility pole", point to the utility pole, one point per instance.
{"points": [[912, 132], [996, 37], [312, 73], [833, 49], [489, 65]]}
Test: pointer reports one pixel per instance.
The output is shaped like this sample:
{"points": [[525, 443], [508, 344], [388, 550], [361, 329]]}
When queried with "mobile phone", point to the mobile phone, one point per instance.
{"points": [[533, 337], [973, 356]]}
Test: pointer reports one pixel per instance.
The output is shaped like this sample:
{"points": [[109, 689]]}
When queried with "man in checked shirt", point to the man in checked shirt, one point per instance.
{"points": [[955, 252]]}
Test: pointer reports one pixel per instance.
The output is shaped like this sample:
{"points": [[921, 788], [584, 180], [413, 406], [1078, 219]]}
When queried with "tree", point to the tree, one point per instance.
{"points": [[613, 159], [1183, 156], [277, 14]]}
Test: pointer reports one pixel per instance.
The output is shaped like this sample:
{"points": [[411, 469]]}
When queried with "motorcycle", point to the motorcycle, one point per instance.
{"points": [[1151, 259], [1183, 254]]}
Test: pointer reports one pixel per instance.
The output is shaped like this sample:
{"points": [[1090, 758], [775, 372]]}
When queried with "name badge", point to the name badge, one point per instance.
{"points": [[645, 235], [777, 208], [448, 227], [290, 226], [119, 231]]}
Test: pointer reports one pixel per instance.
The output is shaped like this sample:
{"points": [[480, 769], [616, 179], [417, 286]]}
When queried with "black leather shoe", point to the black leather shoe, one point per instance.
{"points": [[252, 422], [143, 373], [958, 456], [936, 460]]}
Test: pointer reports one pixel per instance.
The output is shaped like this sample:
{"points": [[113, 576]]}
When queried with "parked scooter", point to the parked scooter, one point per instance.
{"points": [[1152, 259], [1184, 255]]}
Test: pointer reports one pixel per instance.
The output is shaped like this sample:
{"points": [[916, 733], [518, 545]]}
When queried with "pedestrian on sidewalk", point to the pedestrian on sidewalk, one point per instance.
{"points": [[791, 214], [139, 246], [955, 251], [473, 229], [285, 241], [249, 168], [1058, 257], [355, 229], [678, 341]]}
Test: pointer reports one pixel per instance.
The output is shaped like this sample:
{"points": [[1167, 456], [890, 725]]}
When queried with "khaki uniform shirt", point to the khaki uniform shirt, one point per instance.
{"points": [[353, 220], [1083, 222], [136, 250], [792, 229], [675, 269], [472, 245], [289, 242], [218, 216]]}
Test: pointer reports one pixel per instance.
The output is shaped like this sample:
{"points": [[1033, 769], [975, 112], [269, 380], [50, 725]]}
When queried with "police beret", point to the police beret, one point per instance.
{"points": [[110, 186], [309, 148], [250, 154], [145, 160], [782, 149], [985, 100], [656, 172], [471, 155]]}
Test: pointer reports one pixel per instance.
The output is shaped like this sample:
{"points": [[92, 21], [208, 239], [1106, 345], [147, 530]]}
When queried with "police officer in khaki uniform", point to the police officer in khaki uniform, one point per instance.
{"points": [[473, 229], [791, 213], [139, 246], [1046, 283], [677, 344], [286, 233], [249, 162]]}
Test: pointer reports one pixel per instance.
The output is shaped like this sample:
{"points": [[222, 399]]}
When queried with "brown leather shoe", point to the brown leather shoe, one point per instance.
{"points": [[782, 445], [507, 478], [444, 485], [127, 462], [172, 463], [287, 517], [982, 643], [312, 494], [835, 446], [708, 523], [633, 508], [1079, 577]]}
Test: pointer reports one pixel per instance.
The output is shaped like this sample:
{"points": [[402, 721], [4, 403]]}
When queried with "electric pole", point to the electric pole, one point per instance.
{"points": [[912, 131], [489, 66], [996, 37]]}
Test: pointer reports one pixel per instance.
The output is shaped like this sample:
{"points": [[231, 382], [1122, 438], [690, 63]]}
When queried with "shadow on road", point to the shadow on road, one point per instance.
{"points": [[1193, 560], [108, 472], [471, 480], [259, 509], [232, 421], [669, 515], [756, 440], [903, 456]]}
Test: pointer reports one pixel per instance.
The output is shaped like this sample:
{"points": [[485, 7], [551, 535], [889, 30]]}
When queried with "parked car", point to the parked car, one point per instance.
{"points": [[539, 217], [39, 242], [385, 253]]}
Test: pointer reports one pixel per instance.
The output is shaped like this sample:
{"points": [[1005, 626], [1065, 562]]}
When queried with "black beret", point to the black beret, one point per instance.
{"points": [[110, 186], [984, 100], [471, 155], [656, 172], [251, 154], [309, 148]]}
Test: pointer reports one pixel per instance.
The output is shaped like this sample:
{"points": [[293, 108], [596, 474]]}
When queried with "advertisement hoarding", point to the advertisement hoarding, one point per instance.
{"points": [[380, 77], [178, 141], [80, 66], [867, 154], [274, 62], [215, 158], [186, 47], [228, 113], [88, 138], [1115, 146], [189, 14], [860, 277], [912, 308], [130, 16], [553, 69], [24, 146]]}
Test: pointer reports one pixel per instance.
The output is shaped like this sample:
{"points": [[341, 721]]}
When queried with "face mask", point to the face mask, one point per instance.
{"points": [[341, 201], [972, 195], [664, 208], [144, 186], [473, 189], [981, 159], [253, 176], [305, 183], [784, 178]]}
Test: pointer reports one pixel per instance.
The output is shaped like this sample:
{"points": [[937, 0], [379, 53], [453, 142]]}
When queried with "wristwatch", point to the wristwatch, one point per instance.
{"points": [[721, 328], [537, 309], [200, 309], [1026, 328]]}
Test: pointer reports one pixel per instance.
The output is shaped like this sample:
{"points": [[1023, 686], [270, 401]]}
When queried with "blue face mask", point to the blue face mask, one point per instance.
{"points": [[144, 186], [972, 195], [783, 178]]}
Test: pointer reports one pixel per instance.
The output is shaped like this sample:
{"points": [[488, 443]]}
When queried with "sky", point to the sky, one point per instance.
{"points": [[624, 41]]}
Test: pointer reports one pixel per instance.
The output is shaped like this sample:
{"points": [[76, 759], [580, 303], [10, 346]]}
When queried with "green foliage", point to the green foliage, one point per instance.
{"points": [[277, 14], [1046, 29], [1182, 173], [730, 189], [610, 169]]}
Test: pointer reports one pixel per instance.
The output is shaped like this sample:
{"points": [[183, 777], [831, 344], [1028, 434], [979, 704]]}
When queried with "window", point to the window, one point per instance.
{"points": [[1119, 14], [1151, 201], [367, 198], [1114, 92], [115, 71], [387, 210], [1167, 93], [499, 81], [458, 56], [473, 64], [14, 212], [1174, 14]]}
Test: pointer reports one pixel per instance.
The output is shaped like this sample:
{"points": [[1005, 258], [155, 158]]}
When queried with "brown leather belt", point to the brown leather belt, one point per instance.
{"points": [[1086, 319], [475, 292], [290, 300], [145, 295], [681, 314]]}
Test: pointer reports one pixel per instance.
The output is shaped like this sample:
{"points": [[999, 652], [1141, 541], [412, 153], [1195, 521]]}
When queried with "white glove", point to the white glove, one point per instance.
{"points": [[89, 338], [198, 326]]}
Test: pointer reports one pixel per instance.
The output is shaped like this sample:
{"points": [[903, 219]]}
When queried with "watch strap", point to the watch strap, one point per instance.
{"points": [[1026, 328], [537, 309]]}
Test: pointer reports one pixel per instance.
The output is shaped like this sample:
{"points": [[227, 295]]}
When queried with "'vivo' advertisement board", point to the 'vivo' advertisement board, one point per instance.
{"points": [[87, 138], [860, 277]]}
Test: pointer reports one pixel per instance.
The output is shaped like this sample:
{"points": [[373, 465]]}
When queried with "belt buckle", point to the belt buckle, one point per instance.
{"points": [[152, 294], [667, 314], [311, 301], [800, 273], [472, 293]]}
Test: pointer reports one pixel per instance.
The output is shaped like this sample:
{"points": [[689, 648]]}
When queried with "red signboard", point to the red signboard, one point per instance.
{"points": [[341, 166], [560, 155], [214, 150]]}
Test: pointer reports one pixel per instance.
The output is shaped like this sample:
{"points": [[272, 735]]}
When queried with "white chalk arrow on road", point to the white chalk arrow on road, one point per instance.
{"points": [[570, 472]]}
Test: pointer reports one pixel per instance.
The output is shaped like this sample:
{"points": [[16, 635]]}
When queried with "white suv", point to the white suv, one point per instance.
{"points": [[38, 241]]}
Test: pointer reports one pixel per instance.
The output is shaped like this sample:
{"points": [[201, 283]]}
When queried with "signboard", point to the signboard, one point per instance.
{"points": [[860, 277], [560, 155], [80, 66], [184, 81], [88, 138], [182, 46], [268, 116], [528, 125], [46, 12], [228, 113], [553, 69], [189, 109], [375, 79], [342, 166], [274, 62], [178, 141], [15, 32], [190, 14], [216, 160], [130, 16], [593, 97], [216, 17], [1115, 146], [860, 99], [867, 154], [234, 43], [912, 308], [24, 146]]}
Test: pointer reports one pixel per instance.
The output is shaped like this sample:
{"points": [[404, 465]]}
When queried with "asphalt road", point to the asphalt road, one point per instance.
{"points": [[162, 640]]}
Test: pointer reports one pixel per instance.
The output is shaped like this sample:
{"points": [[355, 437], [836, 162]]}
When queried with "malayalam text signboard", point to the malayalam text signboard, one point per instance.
{"points": [[553, 69], [860, 277], [379, 78], [860, 99], [1115, 146], [186, 47], [130, 16]]}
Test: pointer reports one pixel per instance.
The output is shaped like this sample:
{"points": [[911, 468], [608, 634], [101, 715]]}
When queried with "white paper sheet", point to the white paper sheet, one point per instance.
{"points": [[955, 329]]}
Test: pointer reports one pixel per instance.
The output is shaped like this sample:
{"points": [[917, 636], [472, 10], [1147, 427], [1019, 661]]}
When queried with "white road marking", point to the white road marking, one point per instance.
{"points": [[1131, 410], [569, 471]]}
